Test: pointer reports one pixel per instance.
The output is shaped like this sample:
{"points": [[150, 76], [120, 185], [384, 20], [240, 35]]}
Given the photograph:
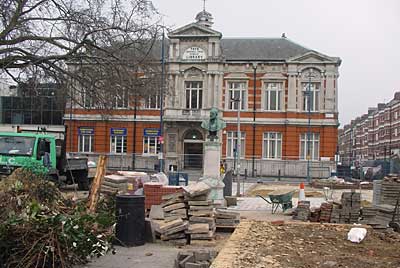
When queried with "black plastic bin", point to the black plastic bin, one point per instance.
{"points": [[130, 229]]}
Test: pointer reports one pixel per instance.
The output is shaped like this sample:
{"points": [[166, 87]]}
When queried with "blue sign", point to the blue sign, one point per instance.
{"points": [[151, 132], [86, 131], [118, 131]]}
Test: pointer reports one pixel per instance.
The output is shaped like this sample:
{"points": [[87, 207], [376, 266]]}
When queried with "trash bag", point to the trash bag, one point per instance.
{"points": [[356, 235]]}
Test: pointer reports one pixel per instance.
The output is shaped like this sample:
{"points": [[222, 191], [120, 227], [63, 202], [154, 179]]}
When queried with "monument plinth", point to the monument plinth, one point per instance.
{"points": [[212, 157]]}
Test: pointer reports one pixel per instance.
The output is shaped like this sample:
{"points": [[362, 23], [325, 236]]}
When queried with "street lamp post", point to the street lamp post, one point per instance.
{"points": [[309, 152], [161, 155], [238, 144], [254, 117]]}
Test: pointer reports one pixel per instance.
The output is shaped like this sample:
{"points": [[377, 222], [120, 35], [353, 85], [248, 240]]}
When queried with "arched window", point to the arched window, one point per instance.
{"points": [[193, 134]]}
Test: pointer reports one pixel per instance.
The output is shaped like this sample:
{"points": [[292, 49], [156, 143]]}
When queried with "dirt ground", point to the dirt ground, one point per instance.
{"points": [[301, 245]]}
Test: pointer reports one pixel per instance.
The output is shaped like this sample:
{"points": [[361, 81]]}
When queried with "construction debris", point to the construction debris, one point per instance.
{"points": [[201, 258]]}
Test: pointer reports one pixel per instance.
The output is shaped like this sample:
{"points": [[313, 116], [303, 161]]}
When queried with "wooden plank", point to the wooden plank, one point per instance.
{"points": [[94, 191]]}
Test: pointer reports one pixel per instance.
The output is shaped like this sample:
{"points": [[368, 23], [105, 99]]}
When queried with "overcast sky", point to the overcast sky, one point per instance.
{"points": [[365, 34]]}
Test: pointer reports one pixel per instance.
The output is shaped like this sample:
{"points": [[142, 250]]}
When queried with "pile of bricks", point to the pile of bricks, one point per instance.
{"points": [[153, 193], [302, 211], [368, 215], [325, 212], [201, 258], [349, 210]]}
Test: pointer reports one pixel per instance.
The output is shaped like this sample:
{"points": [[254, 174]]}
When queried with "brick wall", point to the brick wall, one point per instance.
{"points": [[154, 191]]}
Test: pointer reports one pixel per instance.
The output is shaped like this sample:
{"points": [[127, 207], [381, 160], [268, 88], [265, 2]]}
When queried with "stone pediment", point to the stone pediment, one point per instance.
{"points": [[313, 57], [194, 30]]}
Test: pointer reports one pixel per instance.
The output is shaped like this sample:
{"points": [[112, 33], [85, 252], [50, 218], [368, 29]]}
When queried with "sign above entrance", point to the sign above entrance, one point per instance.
{"points": [[118, 131], [151, 132]]}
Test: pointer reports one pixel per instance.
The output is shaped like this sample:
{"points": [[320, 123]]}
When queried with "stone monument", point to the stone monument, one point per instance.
{"points": [[212, 156]]}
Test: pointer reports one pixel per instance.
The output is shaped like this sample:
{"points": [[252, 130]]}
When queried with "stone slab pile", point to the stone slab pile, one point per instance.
{"points": [[200, 258], [377, 188], [174, 206], [173, 231], [384, 215], [349, 210], [200, 212], [302, 211], [226, 219], [114, 184], [390, 190], [368, 215]]}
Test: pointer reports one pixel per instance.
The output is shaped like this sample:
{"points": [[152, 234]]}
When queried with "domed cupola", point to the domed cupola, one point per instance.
{"points": [[204, 18]]}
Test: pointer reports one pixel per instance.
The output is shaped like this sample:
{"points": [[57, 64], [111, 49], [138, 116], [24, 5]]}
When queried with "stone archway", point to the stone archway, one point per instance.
{"points": [[193, 149]]}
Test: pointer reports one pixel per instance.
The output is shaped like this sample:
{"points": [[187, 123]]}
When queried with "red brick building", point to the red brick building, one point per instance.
{"points": [[270, 76]]}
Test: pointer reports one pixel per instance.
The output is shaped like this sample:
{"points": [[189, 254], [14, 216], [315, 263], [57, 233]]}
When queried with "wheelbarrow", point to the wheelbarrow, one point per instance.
{"points": [[283, 201]]}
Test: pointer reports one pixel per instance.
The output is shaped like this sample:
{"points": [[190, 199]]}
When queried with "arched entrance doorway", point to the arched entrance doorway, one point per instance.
{"points": [[193, 149]]}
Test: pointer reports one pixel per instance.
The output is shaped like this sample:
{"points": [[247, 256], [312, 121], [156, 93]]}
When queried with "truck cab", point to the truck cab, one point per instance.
{"points": [[44, 151]]}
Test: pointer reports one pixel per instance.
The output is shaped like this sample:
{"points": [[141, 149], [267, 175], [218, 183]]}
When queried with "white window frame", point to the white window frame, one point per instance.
{"points": [[315, 146], [152, 102], [231, 141], [315, 88], [233, 87], [82, 143], [272, 139], [147, 145], [269, 89], [198, 91], [114, 144]]}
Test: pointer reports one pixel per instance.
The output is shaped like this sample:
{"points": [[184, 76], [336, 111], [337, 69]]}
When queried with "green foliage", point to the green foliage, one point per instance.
{"points": [[40, 228]]}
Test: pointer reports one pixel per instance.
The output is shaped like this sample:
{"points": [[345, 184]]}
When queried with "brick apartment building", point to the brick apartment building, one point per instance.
{"points": [[204, 70], [374, 135]]}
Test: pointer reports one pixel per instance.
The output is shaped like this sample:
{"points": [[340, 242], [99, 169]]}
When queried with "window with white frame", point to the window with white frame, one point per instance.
{"points": [[86, 140], [151, 145], [309, 147], [237, 91], [312, 101], [118, 140], [272, 145], [152, 102], [232, 144], [395, 131], [273, 96], [194, 95], [121, 99]]}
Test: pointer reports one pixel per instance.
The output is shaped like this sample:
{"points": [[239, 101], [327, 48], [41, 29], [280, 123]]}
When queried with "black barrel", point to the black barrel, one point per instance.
{"points": [[130, 229]]}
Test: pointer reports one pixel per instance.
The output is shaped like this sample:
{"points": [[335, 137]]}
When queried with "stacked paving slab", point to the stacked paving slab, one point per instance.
{"points": [[200, 212], [390, 190], [226, 219], [114, 184], [349, 210], [173, 227]]}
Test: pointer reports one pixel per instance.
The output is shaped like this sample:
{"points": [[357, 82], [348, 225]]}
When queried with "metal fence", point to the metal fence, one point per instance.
{"points": [[184, 162]]}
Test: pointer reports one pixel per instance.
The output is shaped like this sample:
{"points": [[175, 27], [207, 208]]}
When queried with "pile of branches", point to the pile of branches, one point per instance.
{"points": [[41, 228]]}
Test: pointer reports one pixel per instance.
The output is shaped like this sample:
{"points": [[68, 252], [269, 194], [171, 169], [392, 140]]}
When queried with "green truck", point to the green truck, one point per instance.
{"points": [[45, 151]]}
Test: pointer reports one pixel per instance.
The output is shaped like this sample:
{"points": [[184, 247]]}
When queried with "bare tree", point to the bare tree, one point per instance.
{"points": [[101, 47]]}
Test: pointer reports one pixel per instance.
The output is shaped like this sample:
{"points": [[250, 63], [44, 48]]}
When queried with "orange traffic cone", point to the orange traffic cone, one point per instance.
{"points": [[302, 195]]}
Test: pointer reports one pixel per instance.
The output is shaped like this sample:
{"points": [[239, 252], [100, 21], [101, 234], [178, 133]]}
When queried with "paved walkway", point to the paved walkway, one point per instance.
{"points": [[161, 256]]}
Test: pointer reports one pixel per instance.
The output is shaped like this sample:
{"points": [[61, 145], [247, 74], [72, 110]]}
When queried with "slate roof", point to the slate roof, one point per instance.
{"points": [[246, 49]]}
